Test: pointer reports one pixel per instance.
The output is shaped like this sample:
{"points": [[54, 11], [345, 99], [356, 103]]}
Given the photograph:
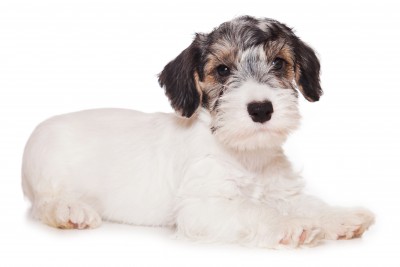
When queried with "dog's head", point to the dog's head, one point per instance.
{"points": [[246, 73]]}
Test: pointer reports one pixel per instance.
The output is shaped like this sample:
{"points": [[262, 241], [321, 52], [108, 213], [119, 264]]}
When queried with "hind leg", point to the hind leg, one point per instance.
{"points": [[66, 214]]}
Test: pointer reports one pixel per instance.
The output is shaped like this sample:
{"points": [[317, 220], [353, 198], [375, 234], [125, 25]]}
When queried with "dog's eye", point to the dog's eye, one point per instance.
{"points": [[223, 71], [278, 63]]}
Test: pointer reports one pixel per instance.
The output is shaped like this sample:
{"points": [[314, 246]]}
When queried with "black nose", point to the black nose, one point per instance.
{"points": [[260, 111]]}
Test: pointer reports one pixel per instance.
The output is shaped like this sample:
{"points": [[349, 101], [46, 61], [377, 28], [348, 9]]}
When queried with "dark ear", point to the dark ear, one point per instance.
{"points": [[307, 71], [180, 79]]}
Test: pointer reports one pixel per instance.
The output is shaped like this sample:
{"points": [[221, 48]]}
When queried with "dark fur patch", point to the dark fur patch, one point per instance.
{"points": [[178, 78], [308, 75], [242, 35], [205, 100]]}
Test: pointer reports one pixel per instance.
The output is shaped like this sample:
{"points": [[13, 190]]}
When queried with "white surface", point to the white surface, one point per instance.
{"points": [[62, 56]]}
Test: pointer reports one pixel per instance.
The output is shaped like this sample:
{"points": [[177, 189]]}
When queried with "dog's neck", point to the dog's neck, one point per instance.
{"points": [[257, 160], [254, 160]]}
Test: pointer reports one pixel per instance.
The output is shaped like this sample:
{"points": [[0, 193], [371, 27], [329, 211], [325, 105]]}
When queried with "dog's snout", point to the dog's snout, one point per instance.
{"points": [[260, 111]]}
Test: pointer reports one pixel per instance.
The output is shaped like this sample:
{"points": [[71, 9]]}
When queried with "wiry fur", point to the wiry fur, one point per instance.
{"points": [[217, 175]]}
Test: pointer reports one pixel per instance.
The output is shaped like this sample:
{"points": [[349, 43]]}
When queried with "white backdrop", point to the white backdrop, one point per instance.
{"points": [[62, 56]]}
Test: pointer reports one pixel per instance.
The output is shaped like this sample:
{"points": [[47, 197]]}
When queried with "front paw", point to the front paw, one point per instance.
{"points": [[296, 232], [346, 223]]}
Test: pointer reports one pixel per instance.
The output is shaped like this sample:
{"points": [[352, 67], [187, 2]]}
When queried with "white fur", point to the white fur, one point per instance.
{"points": [[163, 170], [235, 127]]}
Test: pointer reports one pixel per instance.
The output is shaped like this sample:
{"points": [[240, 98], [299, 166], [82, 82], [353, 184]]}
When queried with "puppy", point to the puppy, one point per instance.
{"points": [[215, 172]]}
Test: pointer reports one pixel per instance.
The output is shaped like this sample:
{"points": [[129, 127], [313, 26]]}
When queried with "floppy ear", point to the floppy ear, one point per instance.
{"points": [[180, 79], [307, 71]]}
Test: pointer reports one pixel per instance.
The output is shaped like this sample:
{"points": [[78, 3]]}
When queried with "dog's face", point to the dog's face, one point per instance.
{"points": [[246, 73]]}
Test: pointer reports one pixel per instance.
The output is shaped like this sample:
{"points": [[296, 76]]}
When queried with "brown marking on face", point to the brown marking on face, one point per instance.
{"points": [[211, 82], [210, 70], [221, 53], [212, 89], [280, 49], [286, 54]]}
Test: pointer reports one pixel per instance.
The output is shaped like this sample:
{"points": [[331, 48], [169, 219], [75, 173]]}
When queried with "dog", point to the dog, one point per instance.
{"points": [[214, 171]]}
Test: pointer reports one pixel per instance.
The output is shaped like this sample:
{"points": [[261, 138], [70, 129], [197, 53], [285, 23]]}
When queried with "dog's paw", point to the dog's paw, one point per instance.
{"points": [[297, 232], [71, 215], [346, 223]]}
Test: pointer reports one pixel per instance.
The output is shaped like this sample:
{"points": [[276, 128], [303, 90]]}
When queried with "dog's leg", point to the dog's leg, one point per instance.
{"points": [[300, 221], [65, 214], [336, 222], [212, 208], [240, 220]]}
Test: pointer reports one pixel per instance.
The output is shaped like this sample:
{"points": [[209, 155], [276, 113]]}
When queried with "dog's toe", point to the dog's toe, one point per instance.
{"points": [[300, 232], [346, 223]]}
